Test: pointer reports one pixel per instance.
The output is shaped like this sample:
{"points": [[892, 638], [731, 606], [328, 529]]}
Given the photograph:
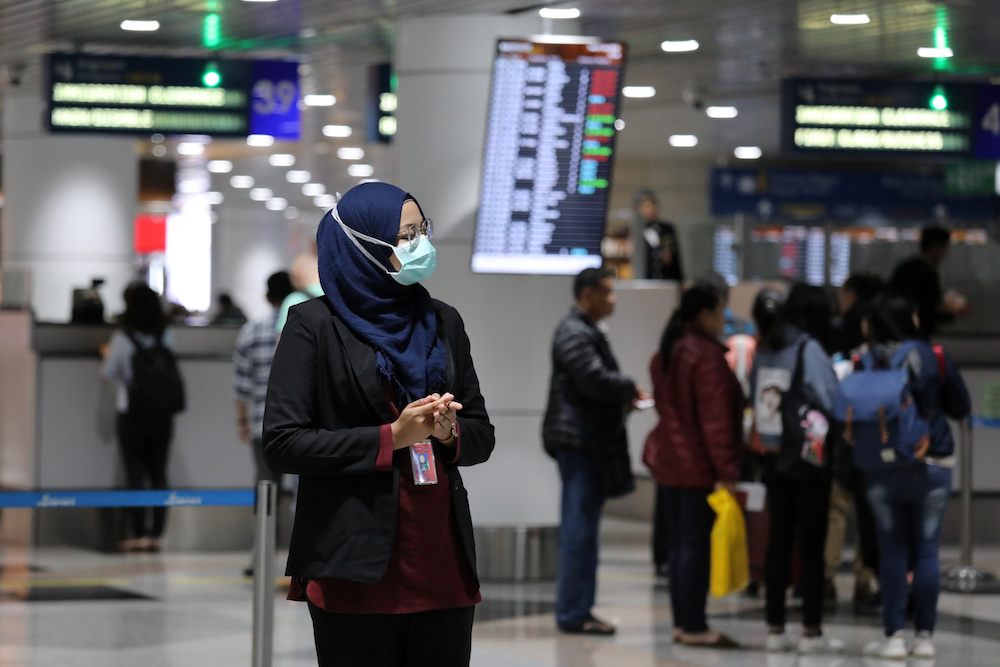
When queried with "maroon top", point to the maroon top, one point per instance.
{"points": [[697, 441], [427, 569]]}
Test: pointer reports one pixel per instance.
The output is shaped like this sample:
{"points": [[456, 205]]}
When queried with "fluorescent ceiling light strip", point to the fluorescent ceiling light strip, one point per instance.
{"points": [[552, 13], [298, 176], [671, 46], [337, 130], [683, 140], [261, 194], [319, 100], [140, 26], [241, 182], [721, 112], [350, 153], [360, 170], [220, 166], [849, 19], [747, 152], [638, 91], [934, 52], [281, 159], [260, 140]]}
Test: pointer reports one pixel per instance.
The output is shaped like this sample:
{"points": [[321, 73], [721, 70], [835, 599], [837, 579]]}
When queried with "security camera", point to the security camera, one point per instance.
{"points": [[13, 72], [693, 99]]}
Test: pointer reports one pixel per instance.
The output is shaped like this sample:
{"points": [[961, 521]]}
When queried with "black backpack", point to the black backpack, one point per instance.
{"points": [[156, 387]]}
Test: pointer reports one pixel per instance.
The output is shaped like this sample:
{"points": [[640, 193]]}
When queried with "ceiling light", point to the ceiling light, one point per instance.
{"points": [[935, 52], [140, 26], [550, 13], [619, 124], [261, 194], [189, 148], [291, 213], [260, 140], [679, 46], [337, 130], [313, 189], [563, 39], [360, 170], [241, 182], [350, 153], [747, 152], [683, 140], [159, 150], [638, 91], [214, 198], [281, 159], [276, 204], [220, 166], [319, 100], [849, 19], [721, 112], [157, 138], [191, 186], [325, 201], [298, 176]]}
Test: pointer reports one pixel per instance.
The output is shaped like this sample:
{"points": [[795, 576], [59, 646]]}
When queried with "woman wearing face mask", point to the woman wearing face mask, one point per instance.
{"points": [[374, 402]]}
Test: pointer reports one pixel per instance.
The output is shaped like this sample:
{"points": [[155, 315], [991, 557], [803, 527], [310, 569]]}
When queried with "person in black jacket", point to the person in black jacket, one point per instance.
{"points": [[584, 430], [374, 402]]}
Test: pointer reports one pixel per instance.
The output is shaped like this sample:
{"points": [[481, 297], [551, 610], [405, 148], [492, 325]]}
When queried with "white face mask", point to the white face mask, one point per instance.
{"points": [[417, 259]]}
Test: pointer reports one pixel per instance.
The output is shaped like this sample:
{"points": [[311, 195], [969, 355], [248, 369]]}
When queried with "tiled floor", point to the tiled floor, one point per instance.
{"points": [[63, 608]]}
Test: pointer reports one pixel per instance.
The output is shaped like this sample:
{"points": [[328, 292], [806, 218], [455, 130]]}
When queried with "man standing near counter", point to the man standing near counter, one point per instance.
{"points": [[251, 370]]}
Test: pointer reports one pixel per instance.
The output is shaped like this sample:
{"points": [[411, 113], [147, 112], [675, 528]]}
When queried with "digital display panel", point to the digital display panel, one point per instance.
{"points": [[548, 157], [141, 96], [891, 117]]}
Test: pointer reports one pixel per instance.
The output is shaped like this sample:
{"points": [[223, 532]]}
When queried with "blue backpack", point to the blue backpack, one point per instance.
{"points": [[880, 416]]}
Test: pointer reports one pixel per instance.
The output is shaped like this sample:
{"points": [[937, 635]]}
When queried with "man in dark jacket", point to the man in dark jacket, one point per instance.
{"points": [[919, 279], [584, 430]]}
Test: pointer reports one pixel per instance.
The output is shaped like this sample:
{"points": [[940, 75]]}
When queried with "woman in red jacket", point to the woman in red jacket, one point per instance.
{"points": [[695, 447]]}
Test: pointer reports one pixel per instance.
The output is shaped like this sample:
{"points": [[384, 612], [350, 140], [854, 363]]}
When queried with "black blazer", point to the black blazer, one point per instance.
{"points": [[325, 406]]}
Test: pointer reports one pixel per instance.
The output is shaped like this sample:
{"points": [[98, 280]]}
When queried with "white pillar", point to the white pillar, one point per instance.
{"points": [[69, 209], [444, 65]]}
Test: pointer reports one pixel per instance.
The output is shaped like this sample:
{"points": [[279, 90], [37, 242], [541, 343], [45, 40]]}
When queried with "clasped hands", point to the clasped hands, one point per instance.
{"points": [[431, 416]]}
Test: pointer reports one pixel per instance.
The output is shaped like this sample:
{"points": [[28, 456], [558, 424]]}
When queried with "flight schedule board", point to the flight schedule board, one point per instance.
{"points": [[548, 157], [143, 95], [882, 118]]}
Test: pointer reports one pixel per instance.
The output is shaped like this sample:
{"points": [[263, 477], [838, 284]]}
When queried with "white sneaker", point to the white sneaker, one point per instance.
{"points": [[820, 644], [778, 642], [923, 647], [892, 647]]}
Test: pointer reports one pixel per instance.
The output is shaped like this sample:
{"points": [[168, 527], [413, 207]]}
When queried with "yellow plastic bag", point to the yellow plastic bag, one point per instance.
{"points": [[730, 569]]}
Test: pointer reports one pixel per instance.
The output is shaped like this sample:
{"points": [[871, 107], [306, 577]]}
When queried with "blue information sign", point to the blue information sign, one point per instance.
{"points": [[141, 96], [274, 107]]}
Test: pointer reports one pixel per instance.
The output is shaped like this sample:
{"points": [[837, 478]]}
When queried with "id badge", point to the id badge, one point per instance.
{"points": [[422, 461]]}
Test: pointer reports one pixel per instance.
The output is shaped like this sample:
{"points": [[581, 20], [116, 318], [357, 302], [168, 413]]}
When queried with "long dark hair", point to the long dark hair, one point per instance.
{"points": [[696, 299], [143, 311], [807, 308], [890, 318]]}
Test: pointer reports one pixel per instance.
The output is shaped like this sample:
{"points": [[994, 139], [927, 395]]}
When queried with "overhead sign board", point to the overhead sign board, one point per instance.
{"points": [[882, 118], [141, 96]]}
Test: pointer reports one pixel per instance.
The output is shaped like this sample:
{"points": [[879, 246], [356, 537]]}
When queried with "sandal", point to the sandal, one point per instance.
{"points": [[590, 626], [709, 639]]}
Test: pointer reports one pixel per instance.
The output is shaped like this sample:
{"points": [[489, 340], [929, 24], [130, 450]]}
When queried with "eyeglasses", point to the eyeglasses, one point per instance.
{"points": [[412, 232]]}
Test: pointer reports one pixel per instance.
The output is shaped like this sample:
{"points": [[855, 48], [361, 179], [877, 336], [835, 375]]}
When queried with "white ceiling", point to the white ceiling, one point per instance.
{"points": [[747, 47]]}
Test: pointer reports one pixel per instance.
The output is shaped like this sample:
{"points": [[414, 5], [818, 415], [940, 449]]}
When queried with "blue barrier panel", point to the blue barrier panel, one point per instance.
{"points": [[199, 498], [985, 422]]}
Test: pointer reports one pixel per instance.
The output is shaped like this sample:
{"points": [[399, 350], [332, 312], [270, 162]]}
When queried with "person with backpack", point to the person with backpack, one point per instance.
{"points": [[149, 392], [793, 387], [894, 409]]}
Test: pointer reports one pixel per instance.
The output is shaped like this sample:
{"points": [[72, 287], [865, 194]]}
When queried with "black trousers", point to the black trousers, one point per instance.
{"points": [[661, 529], [797, 506], [439, 638], [145, 445]]}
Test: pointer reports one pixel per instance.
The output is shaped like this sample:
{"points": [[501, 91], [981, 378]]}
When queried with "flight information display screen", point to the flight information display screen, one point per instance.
{"points": [[548, 158]]}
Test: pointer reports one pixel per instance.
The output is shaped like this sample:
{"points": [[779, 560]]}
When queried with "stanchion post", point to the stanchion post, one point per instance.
{"points": [[265, 535], [966, 578]]}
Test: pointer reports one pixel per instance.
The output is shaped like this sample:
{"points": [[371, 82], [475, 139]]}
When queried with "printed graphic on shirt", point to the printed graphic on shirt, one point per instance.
{"points": [[772, 383]]}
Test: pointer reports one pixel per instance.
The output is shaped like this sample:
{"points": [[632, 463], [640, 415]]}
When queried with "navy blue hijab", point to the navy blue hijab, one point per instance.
{"points": [[398, 321]]}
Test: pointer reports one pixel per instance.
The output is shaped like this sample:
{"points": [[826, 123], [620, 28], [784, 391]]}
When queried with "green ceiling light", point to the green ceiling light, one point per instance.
{"points": [[211, 77], [939, 101], [211, 33]]}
